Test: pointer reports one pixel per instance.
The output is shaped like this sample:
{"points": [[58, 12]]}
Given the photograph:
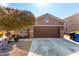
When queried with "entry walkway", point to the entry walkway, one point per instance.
{"points": [[53, 47]]}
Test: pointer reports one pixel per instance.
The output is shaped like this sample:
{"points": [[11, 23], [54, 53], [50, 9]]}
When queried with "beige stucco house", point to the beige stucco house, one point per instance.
{"points": [[71, 23]]}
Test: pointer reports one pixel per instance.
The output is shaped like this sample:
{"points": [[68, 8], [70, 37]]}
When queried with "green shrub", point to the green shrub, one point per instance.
{"points": [[76, 32]]}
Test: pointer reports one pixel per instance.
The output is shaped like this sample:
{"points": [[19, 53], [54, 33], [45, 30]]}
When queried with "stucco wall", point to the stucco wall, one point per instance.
{"points": [[72, 23]]}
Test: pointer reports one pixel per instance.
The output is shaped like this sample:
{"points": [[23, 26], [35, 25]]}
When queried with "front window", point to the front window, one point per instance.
{"points": [[46, 19]]}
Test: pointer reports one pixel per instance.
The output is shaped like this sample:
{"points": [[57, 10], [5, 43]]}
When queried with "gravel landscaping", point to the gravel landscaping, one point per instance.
{"points": [[17, 49]]}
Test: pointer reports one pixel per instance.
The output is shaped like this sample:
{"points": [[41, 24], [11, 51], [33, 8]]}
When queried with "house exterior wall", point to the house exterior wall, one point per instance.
{"points": [[51, 21], [71, 23]]}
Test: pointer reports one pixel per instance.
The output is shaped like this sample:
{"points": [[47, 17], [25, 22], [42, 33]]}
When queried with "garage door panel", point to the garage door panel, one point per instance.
{"points": [[46, 31]]}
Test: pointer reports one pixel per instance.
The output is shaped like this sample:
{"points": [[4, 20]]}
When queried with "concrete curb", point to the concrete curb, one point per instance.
{"points": [[72, 41]]}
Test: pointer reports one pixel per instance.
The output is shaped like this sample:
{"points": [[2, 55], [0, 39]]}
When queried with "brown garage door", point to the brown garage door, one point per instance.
{"points": [[47, 31]]}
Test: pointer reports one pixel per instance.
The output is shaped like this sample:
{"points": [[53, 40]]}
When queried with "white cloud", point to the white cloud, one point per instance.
{"points": [[4, 4]]}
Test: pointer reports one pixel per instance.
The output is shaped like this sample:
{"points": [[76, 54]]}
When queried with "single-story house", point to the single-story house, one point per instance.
{"points": [[47, 26]]}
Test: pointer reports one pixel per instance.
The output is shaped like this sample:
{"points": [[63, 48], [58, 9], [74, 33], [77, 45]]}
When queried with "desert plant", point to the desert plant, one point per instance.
{"points": [[1, 34]]}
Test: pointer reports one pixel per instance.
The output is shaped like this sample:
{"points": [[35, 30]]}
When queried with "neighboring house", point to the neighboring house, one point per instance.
{"points": [[71, 23], [47, 26]]}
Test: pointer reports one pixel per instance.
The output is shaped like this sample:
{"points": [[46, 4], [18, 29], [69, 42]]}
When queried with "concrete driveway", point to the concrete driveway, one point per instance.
{"points": [[53, 47]]}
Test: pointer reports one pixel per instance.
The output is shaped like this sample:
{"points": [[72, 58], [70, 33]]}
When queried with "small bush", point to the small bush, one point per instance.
{"points": [[76, 32], [1, 34]]}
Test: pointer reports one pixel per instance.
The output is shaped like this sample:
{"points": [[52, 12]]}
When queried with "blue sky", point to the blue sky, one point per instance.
{"points": [[61, 10]]}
